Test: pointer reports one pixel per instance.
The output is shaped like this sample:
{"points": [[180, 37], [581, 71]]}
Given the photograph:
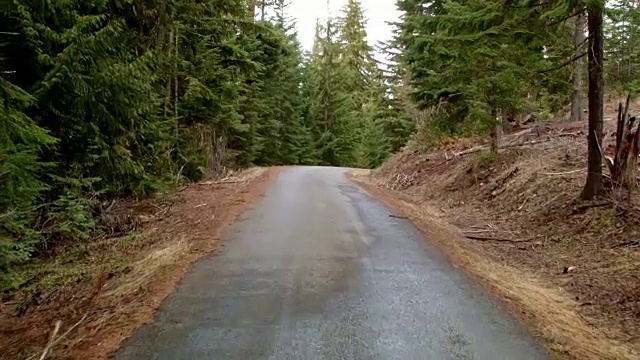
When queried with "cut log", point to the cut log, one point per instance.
{"points": [[497, 187]]}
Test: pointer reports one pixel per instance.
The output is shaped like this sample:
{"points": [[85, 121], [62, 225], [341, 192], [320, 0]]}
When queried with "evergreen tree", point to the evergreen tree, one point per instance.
{"points": [[593, 184], [622, 34], [138, 95], [368, 103], [473, 61], [328, 104], [374, 145], [110, 99], [356, 55], [20, 170], [282, 18]]}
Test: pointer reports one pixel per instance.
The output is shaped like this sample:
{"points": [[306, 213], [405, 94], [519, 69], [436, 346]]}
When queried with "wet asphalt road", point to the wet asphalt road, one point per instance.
{"points": [[318, 270]]}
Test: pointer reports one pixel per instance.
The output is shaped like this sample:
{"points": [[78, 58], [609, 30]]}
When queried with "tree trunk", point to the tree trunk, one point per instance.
{"points": [[495, 133], [167, 99], [593, 185], [578, 38], [252, 9], [175, 88]]}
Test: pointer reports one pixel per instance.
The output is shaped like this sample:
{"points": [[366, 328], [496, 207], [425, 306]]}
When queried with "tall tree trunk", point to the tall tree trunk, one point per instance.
{"points": [[263, 5], [593, 185], [578, 38], [167, 99], [329, 45], [495, 132], [252, 9], [175, 88]]}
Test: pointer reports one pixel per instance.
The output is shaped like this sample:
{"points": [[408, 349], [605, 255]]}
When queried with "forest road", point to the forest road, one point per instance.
{"points": [[319, 270]]}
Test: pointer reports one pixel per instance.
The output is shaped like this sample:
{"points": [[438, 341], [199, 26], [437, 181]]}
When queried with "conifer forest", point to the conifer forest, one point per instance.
{"points": [[110, 99]]}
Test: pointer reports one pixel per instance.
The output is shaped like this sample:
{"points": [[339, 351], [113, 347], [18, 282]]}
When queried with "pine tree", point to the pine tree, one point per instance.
{"points": [[282, 18], [622, 37], [475, 60], [373, 146], [367, 103], [480, 59], [20, 171], [356, 55], [137, 100], [329, 101], [593, 184], [110, 99], [579, 40]]}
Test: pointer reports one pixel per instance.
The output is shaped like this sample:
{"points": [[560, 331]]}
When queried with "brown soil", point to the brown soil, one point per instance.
{"points": [[519, 212], [102, 292]]}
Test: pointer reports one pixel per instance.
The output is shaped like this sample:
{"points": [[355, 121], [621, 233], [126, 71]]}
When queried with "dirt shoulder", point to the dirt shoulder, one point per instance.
{"points": [[100, 293], [549, 311], [569, 269]]}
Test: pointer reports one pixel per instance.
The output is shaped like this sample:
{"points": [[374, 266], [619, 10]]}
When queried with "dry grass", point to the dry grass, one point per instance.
{"points": [[143, 270], [530, 193], [548, 309]]}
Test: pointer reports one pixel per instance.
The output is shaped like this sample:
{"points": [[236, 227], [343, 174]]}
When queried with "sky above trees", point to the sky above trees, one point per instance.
{"points": [[378, 12]]}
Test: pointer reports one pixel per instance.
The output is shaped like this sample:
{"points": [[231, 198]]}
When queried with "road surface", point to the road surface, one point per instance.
{"points": [[318, 270]]}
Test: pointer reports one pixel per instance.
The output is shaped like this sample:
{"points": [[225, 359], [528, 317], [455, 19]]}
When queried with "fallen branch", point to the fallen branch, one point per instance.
{"points": [[489, 238], [51, 340], [108, 209], [498, 188], [223, 181], [520, 133], [471, 151], [583, 207], [631, 244], [397, 216], [166, 210], [532, 142], [480, 227], [506, 146], [562, 173], [54, 341], [566, 63], [8, 214], [570, 134]]}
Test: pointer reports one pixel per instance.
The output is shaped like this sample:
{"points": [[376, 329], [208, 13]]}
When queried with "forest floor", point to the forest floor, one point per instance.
{"points": [[81, 302], [570, 269]]}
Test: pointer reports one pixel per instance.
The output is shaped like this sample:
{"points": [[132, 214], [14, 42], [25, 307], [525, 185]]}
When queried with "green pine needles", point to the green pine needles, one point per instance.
{"points": [[107, 99]]}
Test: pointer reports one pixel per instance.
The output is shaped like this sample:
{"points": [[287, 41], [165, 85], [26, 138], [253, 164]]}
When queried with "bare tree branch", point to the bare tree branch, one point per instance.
{"points": [[566, 63]]}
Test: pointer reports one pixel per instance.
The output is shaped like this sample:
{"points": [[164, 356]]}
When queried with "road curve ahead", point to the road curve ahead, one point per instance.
{"points": [[318, 270]]}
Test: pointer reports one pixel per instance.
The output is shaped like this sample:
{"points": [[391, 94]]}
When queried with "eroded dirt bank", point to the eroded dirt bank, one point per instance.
{"points": [[571, 269]]}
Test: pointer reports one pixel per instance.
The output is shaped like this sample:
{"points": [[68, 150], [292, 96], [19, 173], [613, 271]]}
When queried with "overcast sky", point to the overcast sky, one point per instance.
{"points": [[377, 12]]}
